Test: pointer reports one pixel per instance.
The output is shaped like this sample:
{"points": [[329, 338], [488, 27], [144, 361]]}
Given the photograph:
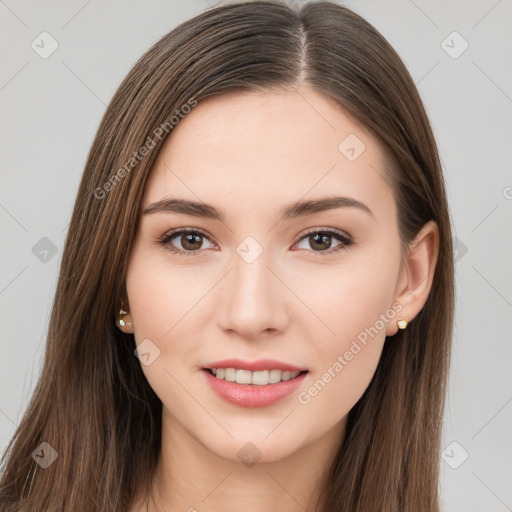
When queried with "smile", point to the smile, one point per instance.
{"points": [[258, 378]]}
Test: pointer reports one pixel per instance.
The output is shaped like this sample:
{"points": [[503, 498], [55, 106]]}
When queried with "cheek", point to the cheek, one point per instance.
{"points": [[159, 312], [346, 300], [348, 358], [164, 298], [351, 313], [168, 310]]}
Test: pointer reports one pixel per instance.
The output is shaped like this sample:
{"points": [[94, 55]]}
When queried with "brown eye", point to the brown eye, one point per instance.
{"points": [[190, 241], [184, 241], [321, 241]]}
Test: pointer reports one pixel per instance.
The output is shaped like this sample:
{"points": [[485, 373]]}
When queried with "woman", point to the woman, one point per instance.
{"points": [[255, 300]]}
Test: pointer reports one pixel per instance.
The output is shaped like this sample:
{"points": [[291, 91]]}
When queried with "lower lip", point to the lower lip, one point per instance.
{"points": [[251, 395]]}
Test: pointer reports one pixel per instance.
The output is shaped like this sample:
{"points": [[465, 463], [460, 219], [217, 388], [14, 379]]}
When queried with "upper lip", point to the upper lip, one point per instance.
{"points": [[254, 366]]}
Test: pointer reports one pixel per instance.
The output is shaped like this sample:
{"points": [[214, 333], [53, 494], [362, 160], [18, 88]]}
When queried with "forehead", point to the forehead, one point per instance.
{"points": [[253, 149]]}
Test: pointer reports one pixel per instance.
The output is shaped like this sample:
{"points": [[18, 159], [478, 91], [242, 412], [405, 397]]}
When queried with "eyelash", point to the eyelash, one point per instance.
{"points": [[164, 241]]}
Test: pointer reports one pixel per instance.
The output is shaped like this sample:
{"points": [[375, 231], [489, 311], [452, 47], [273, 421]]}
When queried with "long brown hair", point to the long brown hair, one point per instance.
{"points": [[92, 403]]}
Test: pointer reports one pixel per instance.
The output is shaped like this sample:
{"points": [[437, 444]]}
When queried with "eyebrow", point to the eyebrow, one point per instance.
{"points": [[297, 209]]}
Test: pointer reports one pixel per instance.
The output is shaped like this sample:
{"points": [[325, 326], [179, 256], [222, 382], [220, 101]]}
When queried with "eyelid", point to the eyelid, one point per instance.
{"points": [[333, 231]]}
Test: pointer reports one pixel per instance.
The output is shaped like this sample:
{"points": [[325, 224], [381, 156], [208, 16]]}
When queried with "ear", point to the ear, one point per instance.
{"points": [[416, 274], [123, 313]]}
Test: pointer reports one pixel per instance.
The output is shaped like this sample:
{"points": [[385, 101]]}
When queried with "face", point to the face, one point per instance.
{"points": [[315, 289]]}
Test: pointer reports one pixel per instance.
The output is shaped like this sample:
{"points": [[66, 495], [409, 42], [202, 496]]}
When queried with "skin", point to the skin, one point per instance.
{"points": [[249, 154]]}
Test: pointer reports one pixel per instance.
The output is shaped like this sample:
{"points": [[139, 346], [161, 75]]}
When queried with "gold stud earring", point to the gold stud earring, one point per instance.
{"points": [[402, 324], [122, 321]]}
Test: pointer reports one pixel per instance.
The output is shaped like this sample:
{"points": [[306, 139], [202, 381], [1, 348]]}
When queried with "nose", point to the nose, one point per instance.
{"points": [[253, 298]]}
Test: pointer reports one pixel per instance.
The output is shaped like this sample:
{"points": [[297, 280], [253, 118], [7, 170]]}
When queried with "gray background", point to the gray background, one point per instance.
{"points": [[51, 108]]}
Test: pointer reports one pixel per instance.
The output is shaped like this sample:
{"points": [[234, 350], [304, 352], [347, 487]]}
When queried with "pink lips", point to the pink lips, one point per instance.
{"points": [[250, 395]]}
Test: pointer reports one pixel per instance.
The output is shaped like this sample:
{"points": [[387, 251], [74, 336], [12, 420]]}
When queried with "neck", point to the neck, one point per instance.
{"points": [[190, 477]]}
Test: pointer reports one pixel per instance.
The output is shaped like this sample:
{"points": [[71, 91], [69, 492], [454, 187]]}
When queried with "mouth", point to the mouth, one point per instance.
{"points": [[254, 378], [258, 388]]}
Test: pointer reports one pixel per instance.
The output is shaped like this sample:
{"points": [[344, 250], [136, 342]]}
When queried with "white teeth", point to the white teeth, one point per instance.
{"points": [[274, 376], [230, 374], [259, 378], [243, 376]]}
